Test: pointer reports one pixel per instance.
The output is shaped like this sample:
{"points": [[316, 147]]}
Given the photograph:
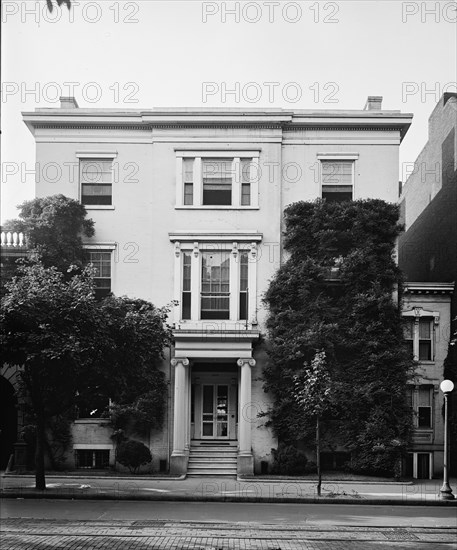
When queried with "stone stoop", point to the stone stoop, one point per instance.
{"points": [[212, 458]]}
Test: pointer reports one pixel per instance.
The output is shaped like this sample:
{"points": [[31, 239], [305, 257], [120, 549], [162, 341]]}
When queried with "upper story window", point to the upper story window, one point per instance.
{"points": [[101, 260], [96, 179], [217, 179], [418, 335], [337, 179]]}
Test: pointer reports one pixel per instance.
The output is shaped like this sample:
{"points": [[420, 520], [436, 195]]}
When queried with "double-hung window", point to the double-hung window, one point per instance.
{"points": [[101, 260], [217, 179], [418, 334], [337, 177], [96, 181], [215, 280], [420, 399]]}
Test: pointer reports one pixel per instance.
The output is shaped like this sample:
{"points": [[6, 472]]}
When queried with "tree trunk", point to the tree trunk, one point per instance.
{"points": [[40, 481], [318, 457]]}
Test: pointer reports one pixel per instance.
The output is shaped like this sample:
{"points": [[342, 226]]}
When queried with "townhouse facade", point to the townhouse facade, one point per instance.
{"points": [[188, 207]]}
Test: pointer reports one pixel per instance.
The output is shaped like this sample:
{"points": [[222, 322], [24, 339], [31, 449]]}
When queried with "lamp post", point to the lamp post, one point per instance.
{"points": [[446, 387]]}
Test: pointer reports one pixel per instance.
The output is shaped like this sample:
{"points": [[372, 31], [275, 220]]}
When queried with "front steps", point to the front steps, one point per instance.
{"points": [[212, 458]]}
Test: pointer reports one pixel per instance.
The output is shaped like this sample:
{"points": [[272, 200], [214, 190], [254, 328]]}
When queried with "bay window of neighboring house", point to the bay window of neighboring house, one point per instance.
{"points": [[420, 399], [216, 281], [337, 179], [217, 179]]}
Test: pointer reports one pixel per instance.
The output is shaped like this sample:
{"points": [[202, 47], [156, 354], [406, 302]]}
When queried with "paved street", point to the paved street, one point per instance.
{"points": [[75, 525]]}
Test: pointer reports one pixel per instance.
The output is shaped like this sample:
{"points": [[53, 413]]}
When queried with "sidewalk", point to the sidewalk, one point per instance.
{"points": [[225, 489]]}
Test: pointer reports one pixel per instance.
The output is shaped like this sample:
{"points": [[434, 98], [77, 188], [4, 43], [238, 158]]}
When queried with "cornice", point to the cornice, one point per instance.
{"points": [[428, 288]]}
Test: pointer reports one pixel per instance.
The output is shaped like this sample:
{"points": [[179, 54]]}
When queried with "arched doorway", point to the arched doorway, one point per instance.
{"points": [[8, 421]]}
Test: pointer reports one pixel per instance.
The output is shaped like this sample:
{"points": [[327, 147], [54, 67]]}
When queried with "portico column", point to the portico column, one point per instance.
{"points": [[178, 463], [245, 459]]}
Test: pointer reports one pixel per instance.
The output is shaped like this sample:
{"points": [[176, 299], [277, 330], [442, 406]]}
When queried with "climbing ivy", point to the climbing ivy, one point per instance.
{"points": [[334, 294]]}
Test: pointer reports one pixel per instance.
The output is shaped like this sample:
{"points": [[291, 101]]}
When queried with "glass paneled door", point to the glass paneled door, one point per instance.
{"points": [[215, 410]]}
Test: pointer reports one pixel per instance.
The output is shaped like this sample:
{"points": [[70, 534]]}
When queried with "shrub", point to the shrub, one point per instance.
{"points": [[133, 454], [288, 460]]}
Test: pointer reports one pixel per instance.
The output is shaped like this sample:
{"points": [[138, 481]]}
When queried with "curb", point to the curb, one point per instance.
{"points": [[86, 477], [324, 481], [208, 498]]}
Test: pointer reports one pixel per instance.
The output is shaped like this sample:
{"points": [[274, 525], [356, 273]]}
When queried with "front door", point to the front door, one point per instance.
{"points": [[215, 411]]}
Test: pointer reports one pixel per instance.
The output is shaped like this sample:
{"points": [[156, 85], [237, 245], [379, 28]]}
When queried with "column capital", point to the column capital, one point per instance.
{"points": [[183, 360], [249, 360]]}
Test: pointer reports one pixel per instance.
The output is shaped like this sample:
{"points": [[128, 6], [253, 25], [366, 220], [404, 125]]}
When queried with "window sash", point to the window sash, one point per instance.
{"points": [[336, 172], [96, 178], [215, 285]]}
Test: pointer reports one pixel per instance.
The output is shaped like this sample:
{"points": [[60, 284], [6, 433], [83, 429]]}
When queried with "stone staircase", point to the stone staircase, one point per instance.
{"points": [[212, 458]]}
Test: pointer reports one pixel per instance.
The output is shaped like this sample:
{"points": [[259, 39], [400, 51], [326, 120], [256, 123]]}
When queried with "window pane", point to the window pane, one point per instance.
{"points": [[215, 298], [425, 417], [188, 170], [244, 266], [424, 329], [245, 194], [337, 172], [102, 264], [336, 196], [217, 181], [425, 350], [425, 396], [188, 193]]}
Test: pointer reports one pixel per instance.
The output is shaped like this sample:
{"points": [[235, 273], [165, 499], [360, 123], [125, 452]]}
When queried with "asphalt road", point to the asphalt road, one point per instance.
{"points": [[296, 514]]}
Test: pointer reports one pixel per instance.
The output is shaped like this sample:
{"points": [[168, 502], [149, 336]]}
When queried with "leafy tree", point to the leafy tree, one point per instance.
{"points": [[50, 4], [54, 227], [68, 344], [51, 327], [313, 392], [131, 375], [334, 294]]}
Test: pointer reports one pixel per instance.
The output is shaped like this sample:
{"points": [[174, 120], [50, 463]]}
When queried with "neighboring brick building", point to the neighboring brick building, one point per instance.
{"points": [[428, 249]]}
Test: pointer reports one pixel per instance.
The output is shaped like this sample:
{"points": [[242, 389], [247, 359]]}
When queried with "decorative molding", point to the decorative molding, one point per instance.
{"points": [[428, 288], [196, 249], [216, 236], [183, 360], [235, 249], [249, 360], [177, 249]]}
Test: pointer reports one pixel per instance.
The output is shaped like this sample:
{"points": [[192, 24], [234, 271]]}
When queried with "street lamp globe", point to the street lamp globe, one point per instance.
{"points": [[447, 386]]}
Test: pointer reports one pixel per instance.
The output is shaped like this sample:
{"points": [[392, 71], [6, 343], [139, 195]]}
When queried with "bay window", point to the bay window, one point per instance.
{"points": [[215, 280]]}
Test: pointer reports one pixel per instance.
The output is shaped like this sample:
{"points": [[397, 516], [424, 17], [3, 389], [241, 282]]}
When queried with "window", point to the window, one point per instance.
{"points": [[418, 338], [425, 340], [244, 291], [217, 181], [186, 286], [420, 400], [188, 180], [424, 409], [215, 295], [96, 181], [246, 182], [215, 279], [102, 264], [337, 180], [92, 458]]}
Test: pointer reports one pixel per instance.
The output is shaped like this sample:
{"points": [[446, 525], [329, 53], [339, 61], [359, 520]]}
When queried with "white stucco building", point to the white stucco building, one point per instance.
{"points": [[188, 207]]}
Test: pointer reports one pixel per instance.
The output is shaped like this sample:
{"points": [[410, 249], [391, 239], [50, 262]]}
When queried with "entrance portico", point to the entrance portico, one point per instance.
{"points": [[212, 394]]}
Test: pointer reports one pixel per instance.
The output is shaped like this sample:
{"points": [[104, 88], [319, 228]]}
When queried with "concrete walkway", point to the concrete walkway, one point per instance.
{"points": [[420, 492]]}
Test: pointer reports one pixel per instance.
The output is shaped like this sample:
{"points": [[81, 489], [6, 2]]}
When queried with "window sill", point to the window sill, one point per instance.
{"points": [[99, 207], [425, 362], [216, 207]]}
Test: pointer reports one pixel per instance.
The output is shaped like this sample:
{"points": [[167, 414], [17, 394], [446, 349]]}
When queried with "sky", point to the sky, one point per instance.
{"points": [[269, 54]]}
